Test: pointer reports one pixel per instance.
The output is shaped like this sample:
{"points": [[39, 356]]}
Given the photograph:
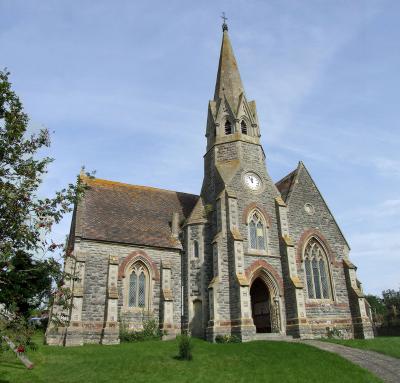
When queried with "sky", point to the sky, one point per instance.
{"points": [[124, 87]]}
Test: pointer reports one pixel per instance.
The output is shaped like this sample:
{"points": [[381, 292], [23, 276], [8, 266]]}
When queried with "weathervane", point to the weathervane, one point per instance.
{"points": [[224, 25]]}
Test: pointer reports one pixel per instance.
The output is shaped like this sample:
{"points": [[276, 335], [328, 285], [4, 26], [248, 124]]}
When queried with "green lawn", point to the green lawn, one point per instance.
{"points": [[389, 345], [155, 361]]}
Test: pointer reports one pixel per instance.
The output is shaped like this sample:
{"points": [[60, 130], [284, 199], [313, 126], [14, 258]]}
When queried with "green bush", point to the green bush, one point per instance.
{"points": [[185, 347], [227, 339], [335, 333], [151, 331]]}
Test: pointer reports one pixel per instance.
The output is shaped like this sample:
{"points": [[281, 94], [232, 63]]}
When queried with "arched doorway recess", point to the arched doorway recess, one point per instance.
{"points": [[261, 306], [265, 304]]}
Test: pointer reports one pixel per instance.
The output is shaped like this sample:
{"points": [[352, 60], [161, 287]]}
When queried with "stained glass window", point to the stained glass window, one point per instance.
{"points": [[132, 289], [256, 232], [315, 262], [260, 236], [310, 285], [317, 284], [142, 290], [138, 286], [324, 280]]}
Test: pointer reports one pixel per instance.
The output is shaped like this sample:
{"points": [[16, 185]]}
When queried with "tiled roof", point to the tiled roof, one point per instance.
{"points": [[117, 212], [285, 185]]}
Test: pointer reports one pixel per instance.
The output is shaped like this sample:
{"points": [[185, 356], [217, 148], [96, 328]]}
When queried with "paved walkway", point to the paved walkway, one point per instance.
{"points": [[383, 366]]}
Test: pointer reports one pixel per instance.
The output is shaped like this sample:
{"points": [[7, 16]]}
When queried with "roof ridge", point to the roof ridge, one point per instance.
{"points": [[117, 183], [287, 176]]}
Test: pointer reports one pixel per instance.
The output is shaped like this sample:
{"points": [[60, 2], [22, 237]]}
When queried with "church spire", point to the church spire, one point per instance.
{"points": [[228, 82]]}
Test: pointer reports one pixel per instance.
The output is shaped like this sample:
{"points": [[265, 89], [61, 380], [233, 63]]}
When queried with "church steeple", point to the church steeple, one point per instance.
{"points": [[228, 82], [231, 116]]}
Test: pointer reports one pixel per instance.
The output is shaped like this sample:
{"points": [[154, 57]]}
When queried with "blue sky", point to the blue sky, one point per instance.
{"points": [[124, 85]]}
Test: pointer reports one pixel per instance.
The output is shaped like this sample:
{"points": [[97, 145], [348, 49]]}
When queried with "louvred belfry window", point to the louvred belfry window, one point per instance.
{"points": [[256, 232], [244, 127], [138, 286], [228, 127], [316, 269]]}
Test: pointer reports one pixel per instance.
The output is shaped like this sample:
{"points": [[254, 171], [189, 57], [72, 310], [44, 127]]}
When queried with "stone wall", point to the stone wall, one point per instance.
{"points": [[95, 317], [315, 219]]}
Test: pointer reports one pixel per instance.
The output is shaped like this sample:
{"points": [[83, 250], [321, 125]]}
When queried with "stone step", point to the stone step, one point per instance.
{"points": [[273, 336]]}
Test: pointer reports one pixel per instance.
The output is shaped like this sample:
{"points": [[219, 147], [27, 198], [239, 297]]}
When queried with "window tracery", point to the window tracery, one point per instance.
{"points": [[257, 235], [316, 269], [138, 292]]}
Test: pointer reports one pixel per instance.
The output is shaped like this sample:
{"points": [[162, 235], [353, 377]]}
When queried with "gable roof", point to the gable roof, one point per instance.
{"points": [[286, 184], [132, 214]]}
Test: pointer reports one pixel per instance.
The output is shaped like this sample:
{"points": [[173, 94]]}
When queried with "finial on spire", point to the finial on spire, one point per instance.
{"points": [[224, 25]]}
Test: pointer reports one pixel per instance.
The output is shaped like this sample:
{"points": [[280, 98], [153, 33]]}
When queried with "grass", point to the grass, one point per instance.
{"points": [[156, 361], [389, 345]]}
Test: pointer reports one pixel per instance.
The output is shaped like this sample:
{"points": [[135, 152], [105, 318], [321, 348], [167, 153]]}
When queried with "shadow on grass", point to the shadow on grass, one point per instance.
{"points": [[16, 365], [177, 357]]}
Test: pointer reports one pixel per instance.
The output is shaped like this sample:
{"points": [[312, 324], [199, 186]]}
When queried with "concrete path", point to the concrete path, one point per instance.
{"points": [[385, 367]]}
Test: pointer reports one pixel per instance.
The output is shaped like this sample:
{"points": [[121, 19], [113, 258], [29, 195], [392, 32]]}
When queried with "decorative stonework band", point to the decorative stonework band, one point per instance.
{"points": [[260, 265], [138, 255], [254, 206], [306, 236]]}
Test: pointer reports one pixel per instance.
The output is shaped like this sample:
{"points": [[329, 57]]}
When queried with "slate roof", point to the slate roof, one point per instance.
{"points": [[285, 185], [117, 212]]}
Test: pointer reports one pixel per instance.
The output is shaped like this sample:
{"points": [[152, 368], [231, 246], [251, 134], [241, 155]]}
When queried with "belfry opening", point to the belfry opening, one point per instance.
{"points": [[261, 306]]}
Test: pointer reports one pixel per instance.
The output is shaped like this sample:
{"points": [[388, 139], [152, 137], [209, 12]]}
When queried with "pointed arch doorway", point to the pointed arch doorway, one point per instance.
{"points": [[261, 306]]}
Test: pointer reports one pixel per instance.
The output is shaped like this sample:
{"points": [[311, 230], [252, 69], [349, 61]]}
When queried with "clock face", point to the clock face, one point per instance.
{"points": [[252, 181]]}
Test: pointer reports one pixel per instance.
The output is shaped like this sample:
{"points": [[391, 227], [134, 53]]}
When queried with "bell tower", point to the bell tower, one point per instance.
{"points": [[239, 198]]}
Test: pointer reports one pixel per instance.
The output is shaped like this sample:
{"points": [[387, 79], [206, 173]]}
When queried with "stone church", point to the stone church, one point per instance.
{"points": [[246, 257]]}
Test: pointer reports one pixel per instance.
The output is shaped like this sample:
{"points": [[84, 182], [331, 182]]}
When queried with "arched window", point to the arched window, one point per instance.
{"points": [[195, 249], [257, 232], [138, 286], [316, 268], [244, 127], [228, 127]]}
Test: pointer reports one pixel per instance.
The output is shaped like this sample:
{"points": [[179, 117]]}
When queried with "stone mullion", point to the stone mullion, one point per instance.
{"points": [[299, 320], [111, 326]]}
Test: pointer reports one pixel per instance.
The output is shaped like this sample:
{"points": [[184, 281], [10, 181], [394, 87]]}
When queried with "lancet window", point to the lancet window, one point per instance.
{"points": [[243, 127], [257, 234], [228, 127], [138, 286], [196, 249]]}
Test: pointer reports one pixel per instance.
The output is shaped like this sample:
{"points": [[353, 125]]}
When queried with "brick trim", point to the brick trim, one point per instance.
{"points": [[253, 206], [261, 264], [306, 236], [138, 255]]}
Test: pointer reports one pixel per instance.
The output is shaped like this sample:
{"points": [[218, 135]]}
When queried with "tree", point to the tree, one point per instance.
{"points": [[378, 308], [29, 268], [391, 299]]}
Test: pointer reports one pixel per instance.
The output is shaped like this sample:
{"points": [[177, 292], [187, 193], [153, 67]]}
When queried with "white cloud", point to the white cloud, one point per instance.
{"points": [[378, 256], [386, 166]]}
